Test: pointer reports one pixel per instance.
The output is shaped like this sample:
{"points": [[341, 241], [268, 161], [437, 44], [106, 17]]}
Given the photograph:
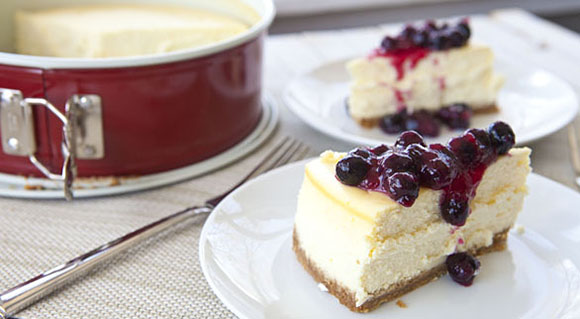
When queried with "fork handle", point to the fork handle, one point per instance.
{"points": [[19, 297]]}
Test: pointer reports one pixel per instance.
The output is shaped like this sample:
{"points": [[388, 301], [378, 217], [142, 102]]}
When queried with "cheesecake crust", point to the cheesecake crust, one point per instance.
{"points": [[347, 297], [374, 121]]}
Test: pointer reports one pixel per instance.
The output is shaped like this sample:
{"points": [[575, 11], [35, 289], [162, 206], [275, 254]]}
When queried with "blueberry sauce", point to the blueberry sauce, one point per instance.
{"points": [[456, 168], [454, 116], [399, 58]]}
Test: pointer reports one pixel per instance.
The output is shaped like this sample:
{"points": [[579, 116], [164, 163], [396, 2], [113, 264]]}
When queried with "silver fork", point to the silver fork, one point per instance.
{"points": [[21, 296], [574, 151]]}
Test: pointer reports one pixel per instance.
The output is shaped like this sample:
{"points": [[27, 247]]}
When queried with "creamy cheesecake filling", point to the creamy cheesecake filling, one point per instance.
{"points": [[460, 75], [369, 243], [102, 31]]}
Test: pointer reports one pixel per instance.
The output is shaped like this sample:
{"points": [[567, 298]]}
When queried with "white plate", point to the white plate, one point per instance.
{"points": [[534, 102], [19, 187], [246, 256]]}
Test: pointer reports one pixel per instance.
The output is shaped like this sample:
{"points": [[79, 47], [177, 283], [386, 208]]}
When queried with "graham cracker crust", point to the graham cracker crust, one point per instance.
{"points": [[373, 122], [347, 297]]}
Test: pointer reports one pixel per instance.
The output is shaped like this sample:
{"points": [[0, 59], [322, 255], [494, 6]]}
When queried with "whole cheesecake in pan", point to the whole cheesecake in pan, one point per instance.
{"points": [[177, 101]]}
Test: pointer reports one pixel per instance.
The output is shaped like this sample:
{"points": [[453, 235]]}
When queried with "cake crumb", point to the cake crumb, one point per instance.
{"points": [[520, 230], [115, 182], [29, 187], [401, 304], [322, 287]]}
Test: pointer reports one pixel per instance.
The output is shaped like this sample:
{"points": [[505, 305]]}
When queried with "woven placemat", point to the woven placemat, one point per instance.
{"points": [[160, 278]]}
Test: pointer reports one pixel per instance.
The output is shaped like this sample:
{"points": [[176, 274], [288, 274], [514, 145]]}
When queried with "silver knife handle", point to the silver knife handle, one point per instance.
{"points": [[26, 293]]}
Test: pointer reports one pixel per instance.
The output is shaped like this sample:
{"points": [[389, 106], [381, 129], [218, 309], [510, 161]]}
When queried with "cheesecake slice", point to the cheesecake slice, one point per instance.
{"points": [[374, 224], [104, 31], [424, 70]]}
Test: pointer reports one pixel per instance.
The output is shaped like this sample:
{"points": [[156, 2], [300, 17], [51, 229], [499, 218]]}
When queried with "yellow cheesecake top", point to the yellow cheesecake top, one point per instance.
{"points": [[100, 31], [390, 218]]}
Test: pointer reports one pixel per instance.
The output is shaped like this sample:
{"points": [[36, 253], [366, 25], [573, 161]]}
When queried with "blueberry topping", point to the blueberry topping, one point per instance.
{"points": [[464, 28], [431, 25], [352, 170], [435, 171], [456, 116], [421, 38], [403, 187], [424, 123], [430, 36], [361, 152], [456, 168], [397, 162], [393, 123], [379, 150], [408, 138], [466, 149], [454, 208], [439, 42], [389, 43], [502, 137], [462, 268], [408, 32], [416, 151], [483, 142], [444, 152]]}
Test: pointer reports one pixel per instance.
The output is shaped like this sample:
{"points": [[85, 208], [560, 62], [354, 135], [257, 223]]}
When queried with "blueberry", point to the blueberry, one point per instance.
{"points": [[421, 39], [361, 152], [424, 123], [435, 171], [440, 42], [390, 43], [457, 39], [352, 170], [462, 268], [408, 32], [464, 28], [415, 151], [407, 138], [431, 25], [454, 208], [444, 151], [393, 123], [403, 187], [456, 116], [502, 137], [485, 149], [465, 149], [379, 149], [397, 162]]}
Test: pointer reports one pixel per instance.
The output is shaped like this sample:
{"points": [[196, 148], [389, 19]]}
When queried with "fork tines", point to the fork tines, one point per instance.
{"points": [[286, 151]]}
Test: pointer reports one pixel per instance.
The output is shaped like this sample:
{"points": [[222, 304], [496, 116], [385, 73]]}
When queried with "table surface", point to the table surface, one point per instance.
{"points": [[162, 277]]}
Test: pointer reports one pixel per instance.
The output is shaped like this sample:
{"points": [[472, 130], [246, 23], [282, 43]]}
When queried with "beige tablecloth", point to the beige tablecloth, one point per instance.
{"points": [[162, 278]]}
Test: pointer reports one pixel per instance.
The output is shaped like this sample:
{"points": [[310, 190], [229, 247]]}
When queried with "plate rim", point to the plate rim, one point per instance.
{"points": [[204, 236], [301, 111]]}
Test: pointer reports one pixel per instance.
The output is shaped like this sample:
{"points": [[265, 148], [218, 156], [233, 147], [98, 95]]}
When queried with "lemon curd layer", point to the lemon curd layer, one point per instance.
{"points": [[366, 242], [102, 31]]}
